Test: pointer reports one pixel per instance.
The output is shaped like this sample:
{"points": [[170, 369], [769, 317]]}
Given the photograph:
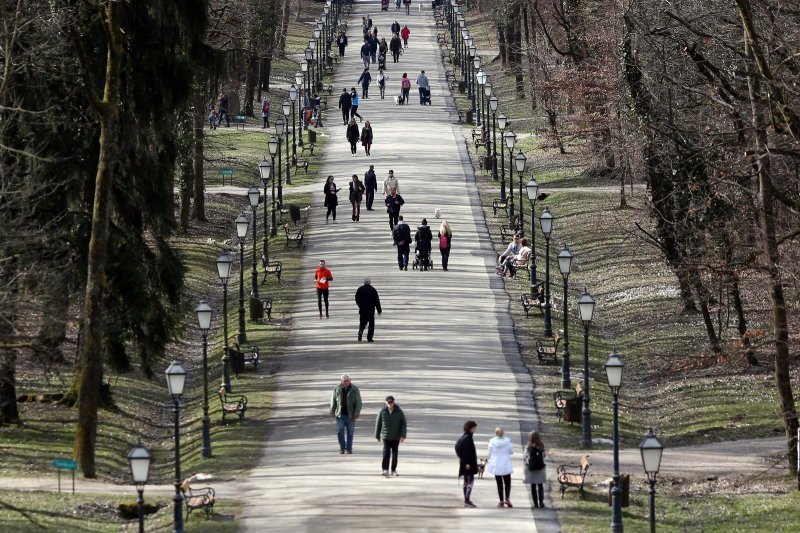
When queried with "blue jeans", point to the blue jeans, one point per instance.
{"points": [[342, 423]]}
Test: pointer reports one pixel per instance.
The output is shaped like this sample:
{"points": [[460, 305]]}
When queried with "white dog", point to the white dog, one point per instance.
{"points": [[398, 100], [436, 213], [420, 7]]}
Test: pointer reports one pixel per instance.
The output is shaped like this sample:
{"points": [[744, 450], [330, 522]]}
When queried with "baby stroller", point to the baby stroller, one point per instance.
{"points": [[426, 96], [422, 259]]}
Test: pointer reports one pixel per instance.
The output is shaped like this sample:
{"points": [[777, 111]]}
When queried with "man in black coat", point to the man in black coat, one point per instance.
{"points": [[395, 45], [368, 302], [342, 42], [345, 102], [371, 184], [393, 204], [395, 27], [401, 234]]}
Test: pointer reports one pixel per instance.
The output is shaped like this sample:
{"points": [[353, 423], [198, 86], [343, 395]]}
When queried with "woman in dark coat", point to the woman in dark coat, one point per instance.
{"points": [[366, 137], [356, 194], [467, 460], [353, 136], [535, 474], [331, 201]]}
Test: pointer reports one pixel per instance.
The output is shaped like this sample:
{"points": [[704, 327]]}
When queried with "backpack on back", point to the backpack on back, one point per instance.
{"points": [[443, 242], [460, 445], [535, 458]]}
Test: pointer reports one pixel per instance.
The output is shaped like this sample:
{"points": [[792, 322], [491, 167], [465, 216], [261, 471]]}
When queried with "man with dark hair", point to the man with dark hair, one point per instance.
{"points": [[401, 234], [390, 425], [368, 302], [345, 102], [371, 184]]}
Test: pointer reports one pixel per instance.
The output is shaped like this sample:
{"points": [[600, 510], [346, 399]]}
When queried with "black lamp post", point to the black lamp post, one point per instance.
{"points": [[502, 122], [139, 460], [464, 53], [280, 126], [253, 196], [287, 109], [224, 263], [511, 139], [312, 66], [293, 92], [565, 266], [480, 78], [586, 311], [176, 378], [300, 104], [265, 171], [519, 161], [242, 225], [203, 312], [273, 149], [651, 449], [493, 107], [472, 68], [532, 189], [614, 366], [546, 221]]}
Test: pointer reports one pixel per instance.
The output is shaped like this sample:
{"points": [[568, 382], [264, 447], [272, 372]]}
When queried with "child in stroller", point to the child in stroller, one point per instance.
{"points": [[426, 96], [422, 250]]}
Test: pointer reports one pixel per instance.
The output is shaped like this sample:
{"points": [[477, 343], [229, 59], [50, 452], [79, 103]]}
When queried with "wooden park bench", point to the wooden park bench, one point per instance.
{"points": [[201, 498], [530, 302], [547, 349], [498, 204], [273, 268], [573, 475], [309, 147], [521, 264], [252, 354], [301, 163], [294, 236], [507, 232], [568, 405], [230, 405]]}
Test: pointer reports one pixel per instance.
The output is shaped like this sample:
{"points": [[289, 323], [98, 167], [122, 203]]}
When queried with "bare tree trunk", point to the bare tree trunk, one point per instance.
{"points": [[90, 375], [251, 79], [9, 413], [198, 180], [501, 44], [186, 166]]}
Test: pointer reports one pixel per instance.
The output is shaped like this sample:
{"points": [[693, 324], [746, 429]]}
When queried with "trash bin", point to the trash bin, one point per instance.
{"points": [[469, 116], [625, 484], [312, 136], [256, 309], [462, 87], [487, 164], [236, 359], [572, 410]]}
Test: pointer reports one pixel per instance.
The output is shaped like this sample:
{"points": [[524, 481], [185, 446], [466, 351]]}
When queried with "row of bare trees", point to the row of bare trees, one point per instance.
{"points": [[102, 108], [700, 101]]}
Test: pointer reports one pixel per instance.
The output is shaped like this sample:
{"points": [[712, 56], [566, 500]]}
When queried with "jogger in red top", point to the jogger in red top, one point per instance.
{"points": [[322, 279]]}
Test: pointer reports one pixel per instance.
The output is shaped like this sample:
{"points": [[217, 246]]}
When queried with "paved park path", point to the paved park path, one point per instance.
{"points": [[443, 346]]}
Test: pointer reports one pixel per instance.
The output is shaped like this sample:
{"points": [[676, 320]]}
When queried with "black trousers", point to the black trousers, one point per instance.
{"points": [[390, 450], [503, 481], [322, 294], [341, 50], [370, 198], [402, 255], [367, 320], [345, 115], [394, 218]]}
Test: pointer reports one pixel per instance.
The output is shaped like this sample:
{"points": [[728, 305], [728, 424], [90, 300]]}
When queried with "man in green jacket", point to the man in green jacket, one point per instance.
{"points": [[390, 425], [346, 407]]}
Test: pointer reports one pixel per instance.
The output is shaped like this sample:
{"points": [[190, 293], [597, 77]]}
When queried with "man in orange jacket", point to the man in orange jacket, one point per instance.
{"points": [[322, 279]]}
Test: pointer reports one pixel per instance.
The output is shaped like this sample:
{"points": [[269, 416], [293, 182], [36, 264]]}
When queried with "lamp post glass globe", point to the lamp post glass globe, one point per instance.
{"points": [[502, 120], [476, 62], [298, 79], [303, 67], [520, 160], [139, 459], [472, 49], [481, 76], [224, 263], [279, 126], [242, 224], [565, 261], [204, 312], [312, 45], [487, 91], [511, 139], [265, 170], [287, 107], [309, 55], [613, 367], [546, 222], [652, 450], [586, 307], [253, 195], [532, 189], [273, 145], [176, 378]]}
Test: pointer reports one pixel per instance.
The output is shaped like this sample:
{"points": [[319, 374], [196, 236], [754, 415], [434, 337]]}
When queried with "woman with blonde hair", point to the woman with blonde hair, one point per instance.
{"points": [[535, 473], [445, 235], [499, 463]]}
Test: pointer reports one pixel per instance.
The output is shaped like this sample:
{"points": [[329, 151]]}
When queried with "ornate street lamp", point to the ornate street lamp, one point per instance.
{"points": [[471, 70], [253, 196], [502, 123], [293, 93], [265, 171], [224, 263], [304, 68], [203, 312], [519, 161], [242, 225], [139, 460], [651, 449], [565, 266], [312, 66], [176, 378], [586, 312], [481, 78], [493, 107], [546, 221], [511, 139], [280, 126], [273, 149], [614, 367], [287, 108], [532, 188]]}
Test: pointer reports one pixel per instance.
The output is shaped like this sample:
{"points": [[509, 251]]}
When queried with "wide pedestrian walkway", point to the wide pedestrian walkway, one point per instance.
{"points": [[443, 346]]}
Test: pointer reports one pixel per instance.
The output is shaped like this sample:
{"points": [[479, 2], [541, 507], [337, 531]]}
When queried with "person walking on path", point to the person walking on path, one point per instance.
{"points": [[365, 80], [422, 242], [405, 87], [373, 45], [405, 32], [345, 103], [407, 3], [382, 48], [368, 302], [395, 27], [395, 46], [423, 86], [390, 425], [467, 460], [342, 42], [370, 185], [223, 110], [365, 51], [366, 137], [322, 280], [499, 463], [397, 5], [535, 470], [390, 183], [401, 234], [354, 101], [353, 135], [382, 79], [356, 194], [346, 408], [265, 108], [393, 204], [331, 200], [445, 235]]}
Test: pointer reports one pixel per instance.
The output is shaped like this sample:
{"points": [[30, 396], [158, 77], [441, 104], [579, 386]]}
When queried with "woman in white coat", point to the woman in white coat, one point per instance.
{"points": [[499, 463]]}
